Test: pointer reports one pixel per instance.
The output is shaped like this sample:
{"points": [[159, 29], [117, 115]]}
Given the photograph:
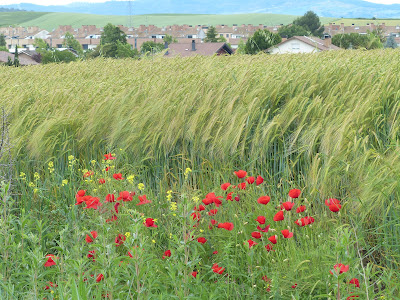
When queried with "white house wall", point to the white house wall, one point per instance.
{"points": [[294, 46]]}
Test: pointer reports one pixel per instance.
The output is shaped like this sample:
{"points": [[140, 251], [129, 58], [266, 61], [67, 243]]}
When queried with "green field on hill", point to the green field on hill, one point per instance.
{"points": [[19, 17], [363, 22], [49, 21]]}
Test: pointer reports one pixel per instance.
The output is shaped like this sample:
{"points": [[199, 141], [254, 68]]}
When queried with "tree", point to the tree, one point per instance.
{"points": [[241, 49], [151, 47], [170, 39], [310, 21], [292, 30], [2, 41], [391, 42], [211, 35], [109, 38], [58, 56], [261, 40], [125, 50], [3, 48], [357, 41], [16, 60], [71, 42], [41, 46]]}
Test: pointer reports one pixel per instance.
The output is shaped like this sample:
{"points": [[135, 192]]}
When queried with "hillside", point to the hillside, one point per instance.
{"points": [[50, 21], [17, 18], [331, 8]]}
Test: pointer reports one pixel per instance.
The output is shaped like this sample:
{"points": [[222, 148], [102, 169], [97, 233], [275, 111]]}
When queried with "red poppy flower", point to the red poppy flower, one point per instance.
{"points": [[143, 200], [268, 247], [167, 254], [109, 156], [237, 198], [212, 212], [215, 252], [294, 193], [120, 239], [300, 209], [294, 286], [241, 173], [305, 221], [80, 193], [261, 220], [211, 198], [50, 262], [116, 207], [89, 239], [352, 297], [88, 174], [340, 268], [225, 186], [125, 196], [264, 200], [256, 235], [110, 198], [102, 181], [242, 186], [113, 218], [196, 216], [93, 202], [213, 222], [265, 229], [355, 282], [288, 205], [99, 277], [266, 279], [50, 285], [229, 196], [227, 226], [118, 176], [279, 216], [250, 180], [286, 234], [107, 169], [272, 239], [333, 204], [92, 254], [194, 274], [251, 243], [259, 180], [149, 222], [217, 269], [201, 208], [201, 240]]}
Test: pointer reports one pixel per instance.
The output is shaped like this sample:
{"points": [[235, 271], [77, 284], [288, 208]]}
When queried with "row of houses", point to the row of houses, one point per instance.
{"points": [[89, 35]]}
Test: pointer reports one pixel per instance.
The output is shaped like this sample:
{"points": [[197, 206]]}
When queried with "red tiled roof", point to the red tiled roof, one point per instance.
{"points": [[22, 60], [201, 49]]}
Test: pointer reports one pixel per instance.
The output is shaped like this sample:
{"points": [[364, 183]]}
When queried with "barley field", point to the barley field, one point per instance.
{"points": [[207, 156]]}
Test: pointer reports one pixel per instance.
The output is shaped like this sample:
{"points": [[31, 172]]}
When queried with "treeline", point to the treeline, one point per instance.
{"points": [[4, 9]]}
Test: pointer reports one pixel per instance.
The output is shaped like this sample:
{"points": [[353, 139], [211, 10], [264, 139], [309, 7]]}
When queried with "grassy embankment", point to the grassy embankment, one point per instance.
{"points": [[326, 123]]}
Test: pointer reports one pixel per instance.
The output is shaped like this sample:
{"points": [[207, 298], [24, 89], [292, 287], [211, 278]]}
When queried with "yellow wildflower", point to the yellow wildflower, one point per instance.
{"points": [[93, 161], [140, 186], [64, 182], [187, 171], [154, 241], [130, 178], [36, 176], [196, 199], [31, 184], [35, 190], [127, 234]]}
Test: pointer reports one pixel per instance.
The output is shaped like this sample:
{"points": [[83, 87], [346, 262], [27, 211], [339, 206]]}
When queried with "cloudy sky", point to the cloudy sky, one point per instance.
{"points": [[61, 2]]}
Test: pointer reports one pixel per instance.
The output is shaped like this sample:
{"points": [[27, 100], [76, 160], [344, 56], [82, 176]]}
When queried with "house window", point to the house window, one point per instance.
{"points": [[190, 36], [153, 36], [227, 35], [221, 35], [85, 46], [59, 46]]}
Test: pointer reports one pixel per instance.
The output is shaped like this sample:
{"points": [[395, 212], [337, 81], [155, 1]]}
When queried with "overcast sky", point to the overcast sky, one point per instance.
{"points": [[61, 2]]}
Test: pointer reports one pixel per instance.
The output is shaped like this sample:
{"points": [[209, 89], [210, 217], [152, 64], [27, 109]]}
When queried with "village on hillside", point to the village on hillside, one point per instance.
{"points": [[188, 39]]}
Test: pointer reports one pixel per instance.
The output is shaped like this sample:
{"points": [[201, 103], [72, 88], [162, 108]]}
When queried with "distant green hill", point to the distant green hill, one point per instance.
{"points": [[19, 17], [49, 21]]}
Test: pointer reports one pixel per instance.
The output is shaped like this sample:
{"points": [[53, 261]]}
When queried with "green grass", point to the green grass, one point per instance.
{"points": [[363, 22], [53, 20], [327, 123], [16, 18]]}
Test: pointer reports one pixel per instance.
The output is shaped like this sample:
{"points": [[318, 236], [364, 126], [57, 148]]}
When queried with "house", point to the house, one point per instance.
{"points": [[208, 49], [23, 60], [302, 44]]}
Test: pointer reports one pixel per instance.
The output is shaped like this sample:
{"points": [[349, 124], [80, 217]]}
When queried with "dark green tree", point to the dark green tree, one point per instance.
{"points": [[292, 30], [2, 40], [151, 47], [211, 35], [310, 22], [261, 40], [16, 59], [41, 46], [391, 42], [125, 50], [357, 41], [109, 38], [58, 57], [9, 62], [71, 42]]}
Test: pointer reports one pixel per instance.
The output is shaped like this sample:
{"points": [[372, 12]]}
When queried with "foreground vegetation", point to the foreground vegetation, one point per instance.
{"points": [[325, 123]]}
